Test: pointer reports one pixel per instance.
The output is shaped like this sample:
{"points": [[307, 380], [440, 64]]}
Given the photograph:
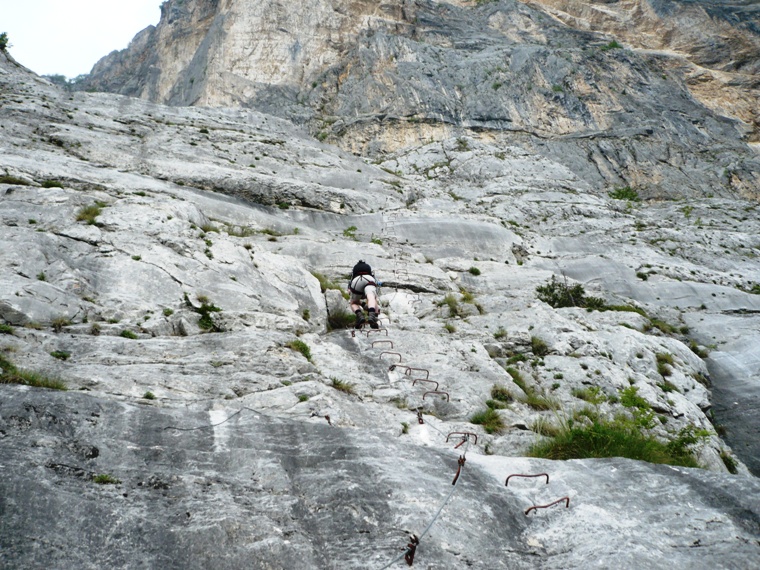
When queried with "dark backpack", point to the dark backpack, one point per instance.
{"points": [[362, 268]]}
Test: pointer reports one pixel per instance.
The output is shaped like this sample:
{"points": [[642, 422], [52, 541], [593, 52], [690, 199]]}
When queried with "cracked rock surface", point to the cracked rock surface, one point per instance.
{"points": [[177, 269]]}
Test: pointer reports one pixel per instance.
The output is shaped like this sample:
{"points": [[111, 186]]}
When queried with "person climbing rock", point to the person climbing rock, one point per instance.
{"points": [[363, 285]]}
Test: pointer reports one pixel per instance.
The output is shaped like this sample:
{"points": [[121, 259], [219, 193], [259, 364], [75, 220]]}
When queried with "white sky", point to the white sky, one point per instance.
{"points": [[70, 36]]}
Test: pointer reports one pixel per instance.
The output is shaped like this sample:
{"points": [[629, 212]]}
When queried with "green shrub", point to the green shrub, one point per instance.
{"points": [[499, 334], [474, 271], [149, 396], [3, 41], [60, 354], [9, 374], [626, 193], [515, 358], [51, 184], [168, 312], [630, 398], [126, 333], [342, 386], [6, 329], [350, 232], [303, 397], [489, 419], [300, 346], [450, 328], [559, 294]]}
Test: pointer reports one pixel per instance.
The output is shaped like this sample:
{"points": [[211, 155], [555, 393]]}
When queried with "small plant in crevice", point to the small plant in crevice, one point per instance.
{"points": [[58, 323], [729, 462], [303, 397], [399, 402], [474, 271], [350, 232], [590, 394], [664, 364], [518, 379], [206, 310], [404, 428], [126, 333], [89, 214], [342, 386], [6, 329], [490, 419], [539, 346], [149, 396], [300, 346], [105, 479], [340, 318], [60, 354], [451, 302]]}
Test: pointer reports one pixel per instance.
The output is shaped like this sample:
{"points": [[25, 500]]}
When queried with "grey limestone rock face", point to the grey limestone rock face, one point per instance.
{"points": [[254, 435], [129, 485], [377, 78]]}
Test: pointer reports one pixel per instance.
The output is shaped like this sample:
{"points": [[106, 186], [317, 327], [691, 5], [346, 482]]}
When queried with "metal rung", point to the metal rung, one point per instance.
{"points": [[393, 353], [534, 507], [448, 398], [527, 476], [424, 380]]}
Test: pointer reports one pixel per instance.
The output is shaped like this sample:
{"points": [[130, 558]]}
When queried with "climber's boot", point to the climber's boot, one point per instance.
{"points": [[373, 320]]}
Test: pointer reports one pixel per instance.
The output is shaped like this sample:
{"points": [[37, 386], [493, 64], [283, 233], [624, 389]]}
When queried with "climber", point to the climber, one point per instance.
{"points": [[363, 285]]}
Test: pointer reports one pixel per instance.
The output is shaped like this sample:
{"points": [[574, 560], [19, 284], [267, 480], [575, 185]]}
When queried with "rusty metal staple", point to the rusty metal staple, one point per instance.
{"points": [[425, 380], [448, 398], [534, 507], [465, 436], [425, 370], [527, 476], [393, 353]]}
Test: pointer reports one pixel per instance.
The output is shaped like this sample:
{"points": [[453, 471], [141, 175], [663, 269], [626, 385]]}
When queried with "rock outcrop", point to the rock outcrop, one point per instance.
{"points": [[378, 78], [175, 268]]}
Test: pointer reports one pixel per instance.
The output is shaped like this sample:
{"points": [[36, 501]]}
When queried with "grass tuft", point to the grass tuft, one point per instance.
{"points": [[9, 374], [342, 386], [300, 346], [489, 419]]}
